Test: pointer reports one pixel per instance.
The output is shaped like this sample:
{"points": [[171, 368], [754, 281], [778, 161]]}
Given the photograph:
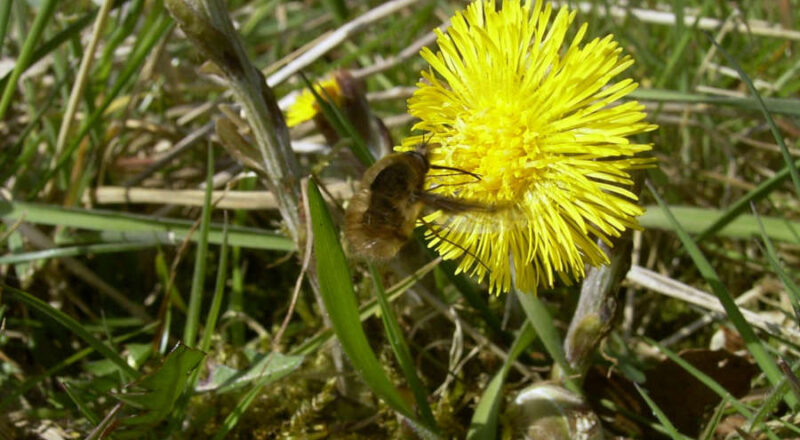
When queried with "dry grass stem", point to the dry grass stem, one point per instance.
{"points": [[340, 35], [675, 289], [751, 27]]}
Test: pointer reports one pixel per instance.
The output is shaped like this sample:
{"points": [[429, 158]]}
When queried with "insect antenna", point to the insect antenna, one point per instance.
{"points": [[445, 175], [439, 185], [458, 171], [423, 145]]}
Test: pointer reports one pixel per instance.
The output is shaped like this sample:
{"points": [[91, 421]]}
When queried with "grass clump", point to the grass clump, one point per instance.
{"points": [[172, 264]]}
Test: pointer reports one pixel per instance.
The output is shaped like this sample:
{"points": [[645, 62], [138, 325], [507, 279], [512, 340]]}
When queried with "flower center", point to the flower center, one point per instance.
{"points": [[499, 144]]}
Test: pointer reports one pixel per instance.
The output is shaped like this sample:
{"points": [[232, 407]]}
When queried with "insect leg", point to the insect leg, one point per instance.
{"points": [[452, 204], [436, 228]]}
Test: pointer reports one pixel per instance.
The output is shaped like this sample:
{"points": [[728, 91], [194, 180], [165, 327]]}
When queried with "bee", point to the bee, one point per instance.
{"points": [[383, 213]]}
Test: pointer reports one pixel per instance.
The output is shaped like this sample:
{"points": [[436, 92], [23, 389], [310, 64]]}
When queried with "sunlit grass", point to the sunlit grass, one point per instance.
{"points": [[96, 295]]}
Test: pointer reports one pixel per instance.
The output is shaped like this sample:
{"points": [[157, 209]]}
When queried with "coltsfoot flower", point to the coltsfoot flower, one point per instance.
{"points": [[306, 106], [539, 121]]}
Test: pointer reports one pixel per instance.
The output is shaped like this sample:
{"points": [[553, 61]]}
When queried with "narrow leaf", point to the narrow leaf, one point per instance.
{"points": [[744, 226], [72, 325], [792, 289], [484, 420], [753, 344], [337, 293], [743, 203], [671, 430], [156, 393], [771, 122], [369, 309], [43, 16], [138, 227], [73, 251], [265, 368], [400, 348], [200, 259], [541, 320]]}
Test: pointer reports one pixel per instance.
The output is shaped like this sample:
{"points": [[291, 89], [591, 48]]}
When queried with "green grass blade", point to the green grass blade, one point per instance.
{"points": [[72, 325], [12, 157], [73, 251], [773, 400], [155, 394], [146, 42], [670, 428], [711, 426], [772, 436], [474, 298], [66, 34], [683, 37], [30, 382], [233, 418], [738, 207], [401, 352], [138, 227], [5, 14], [368, 310], [771, 122], [702, 377], [484, 421], [84, 409], [541, 320], [284, 366], [236, 299], [753, 344], [219, 290], [122, 29], [744, 226], [774, 105], [26, 54], [639, 419], [792, 289], [337, 293], [260, 15], [200, 259], [175, 298], [339, 10]]}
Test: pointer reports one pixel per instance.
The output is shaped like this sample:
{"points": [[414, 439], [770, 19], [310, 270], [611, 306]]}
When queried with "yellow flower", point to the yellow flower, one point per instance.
{"points": [[538, 121], [306, 106]]}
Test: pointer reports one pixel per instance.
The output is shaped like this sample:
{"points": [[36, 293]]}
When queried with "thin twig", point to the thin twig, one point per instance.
{"points": [[82, 77], [704, 320], [446, 311], [344, 33], [399, 92], [411, 51], [751, 27], [246, 200], [675, 289], [181, 147], [304, 268], [42, 241]]}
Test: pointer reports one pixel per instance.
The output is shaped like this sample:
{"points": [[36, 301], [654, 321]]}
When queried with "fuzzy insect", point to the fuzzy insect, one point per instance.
{"points": [[383, 213]]}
